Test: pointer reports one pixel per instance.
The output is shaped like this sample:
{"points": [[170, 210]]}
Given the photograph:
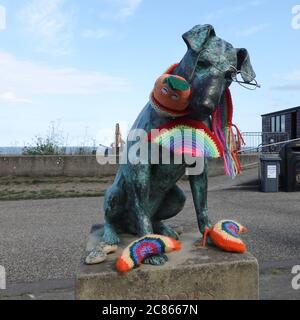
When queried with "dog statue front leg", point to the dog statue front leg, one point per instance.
{"points": [[113, 208], [198, 185], [144, 227], [143, 221], [139, 191]]}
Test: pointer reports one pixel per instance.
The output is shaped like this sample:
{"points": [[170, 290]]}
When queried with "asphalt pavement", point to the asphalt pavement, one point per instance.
{"points": [[43, 241]]}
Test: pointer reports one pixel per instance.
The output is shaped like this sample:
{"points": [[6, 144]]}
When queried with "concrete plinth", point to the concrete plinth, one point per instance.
{"points": [[192, 273]]}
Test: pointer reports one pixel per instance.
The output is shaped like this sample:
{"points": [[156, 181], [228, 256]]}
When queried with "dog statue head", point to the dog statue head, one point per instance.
{"points": [[209, 66]]}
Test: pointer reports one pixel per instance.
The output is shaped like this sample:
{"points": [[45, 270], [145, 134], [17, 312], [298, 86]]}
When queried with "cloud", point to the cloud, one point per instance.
{"points": [[129, 8], [292, 78], [96, 33], [252, 30], [48, 24], [26, 78], [119, 9], [112, 10], [11, 97], [2, 18], [289, 76], [256, 3], [286, 87], [215, 15], [231, 10]]}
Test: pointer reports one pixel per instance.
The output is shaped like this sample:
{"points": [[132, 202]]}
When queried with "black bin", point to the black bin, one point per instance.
{"points": [[290, 166], [269, 173]]}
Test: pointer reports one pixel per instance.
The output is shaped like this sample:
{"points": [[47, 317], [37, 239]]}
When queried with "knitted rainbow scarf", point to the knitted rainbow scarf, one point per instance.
{"points": [[186, 136]]}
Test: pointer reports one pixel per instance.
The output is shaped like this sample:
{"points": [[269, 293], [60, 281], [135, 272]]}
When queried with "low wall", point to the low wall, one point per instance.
{"points": [[81, 166], [216, 166]]}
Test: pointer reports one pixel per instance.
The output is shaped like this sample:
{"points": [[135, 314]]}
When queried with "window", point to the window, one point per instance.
{"points": [[282, 129], [273, 124], [278, 123]]}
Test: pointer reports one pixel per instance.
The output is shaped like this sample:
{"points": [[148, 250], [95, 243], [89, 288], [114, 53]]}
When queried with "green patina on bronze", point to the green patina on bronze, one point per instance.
{"points": [[144, 195]]}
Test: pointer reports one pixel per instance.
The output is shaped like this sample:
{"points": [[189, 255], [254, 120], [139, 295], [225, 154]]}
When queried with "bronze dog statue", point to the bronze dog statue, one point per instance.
{"points": [[143, 195]]}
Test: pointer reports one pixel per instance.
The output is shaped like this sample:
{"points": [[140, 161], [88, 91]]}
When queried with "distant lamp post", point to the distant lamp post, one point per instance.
{"points": [[118, 144]]}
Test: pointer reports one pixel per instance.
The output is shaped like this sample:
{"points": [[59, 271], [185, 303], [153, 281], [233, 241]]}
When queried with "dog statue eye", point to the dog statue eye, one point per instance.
{"points": [[164, 90], [205, 63], [175, 97]]}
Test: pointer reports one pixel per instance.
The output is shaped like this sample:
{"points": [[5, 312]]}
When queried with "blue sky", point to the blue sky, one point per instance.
{"points": [[88, 64]]}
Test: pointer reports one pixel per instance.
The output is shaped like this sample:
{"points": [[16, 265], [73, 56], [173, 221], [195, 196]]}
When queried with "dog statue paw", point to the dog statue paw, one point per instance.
{"points": [[100, 252]]}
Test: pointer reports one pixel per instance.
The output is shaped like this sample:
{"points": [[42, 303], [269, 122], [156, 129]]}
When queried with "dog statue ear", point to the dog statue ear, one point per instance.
{"points": [[196, 37], [244, 65]]}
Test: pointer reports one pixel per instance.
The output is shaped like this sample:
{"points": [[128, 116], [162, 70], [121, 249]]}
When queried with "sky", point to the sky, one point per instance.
{"points": [[86, 65]]}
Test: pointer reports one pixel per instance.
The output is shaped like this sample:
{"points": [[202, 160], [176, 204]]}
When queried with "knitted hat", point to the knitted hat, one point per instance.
{"points": [[170, 95]]}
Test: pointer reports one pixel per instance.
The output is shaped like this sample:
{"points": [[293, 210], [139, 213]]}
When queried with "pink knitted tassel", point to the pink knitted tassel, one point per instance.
{"points": [[223, 130]]}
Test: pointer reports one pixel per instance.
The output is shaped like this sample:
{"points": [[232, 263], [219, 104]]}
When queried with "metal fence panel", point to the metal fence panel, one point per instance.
{"points": [[263, 141]]}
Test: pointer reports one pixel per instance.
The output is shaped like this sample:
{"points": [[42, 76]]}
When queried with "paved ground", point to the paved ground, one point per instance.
{"points": [[41, 241]]}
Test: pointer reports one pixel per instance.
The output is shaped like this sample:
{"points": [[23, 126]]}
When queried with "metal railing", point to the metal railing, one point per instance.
{"points": [[265, 142]]}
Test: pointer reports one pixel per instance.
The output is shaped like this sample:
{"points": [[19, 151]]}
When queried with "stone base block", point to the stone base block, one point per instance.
{"points": [[190, 274]]}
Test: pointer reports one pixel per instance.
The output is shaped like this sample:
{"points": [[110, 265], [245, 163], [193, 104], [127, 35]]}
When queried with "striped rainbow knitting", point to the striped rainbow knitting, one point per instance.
{"points": [[143, 248], [186, 136], [222, 127], [226, 235]]}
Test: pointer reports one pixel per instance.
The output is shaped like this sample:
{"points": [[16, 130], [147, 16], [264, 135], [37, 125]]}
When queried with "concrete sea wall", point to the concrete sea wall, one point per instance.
{"points": [[83, 166]]}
